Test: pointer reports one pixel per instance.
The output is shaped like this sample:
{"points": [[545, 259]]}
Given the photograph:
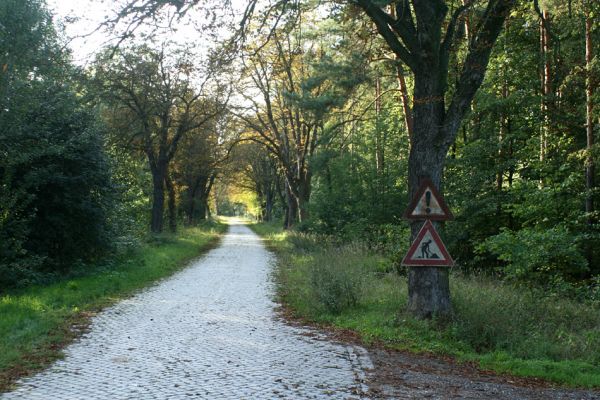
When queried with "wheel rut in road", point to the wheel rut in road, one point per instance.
{"points": [[209, 332]]}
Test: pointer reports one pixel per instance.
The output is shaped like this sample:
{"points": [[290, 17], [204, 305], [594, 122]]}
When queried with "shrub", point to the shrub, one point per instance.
{"points": [[537, 255]]}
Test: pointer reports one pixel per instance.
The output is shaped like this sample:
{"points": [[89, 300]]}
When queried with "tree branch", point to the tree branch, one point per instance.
{"points": [[382, 22], [475, 66]]}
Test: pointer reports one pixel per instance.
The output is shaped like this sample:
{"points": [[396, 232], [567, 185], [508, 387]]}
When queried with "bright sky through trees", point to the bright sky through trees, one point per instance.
{"points": [[83, 21]]}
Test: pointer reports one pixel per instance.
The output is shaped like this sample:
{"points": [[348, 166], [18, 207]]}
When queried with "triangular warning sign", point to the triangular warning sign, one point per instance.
{"points": [[428, 249], [428, 204]]}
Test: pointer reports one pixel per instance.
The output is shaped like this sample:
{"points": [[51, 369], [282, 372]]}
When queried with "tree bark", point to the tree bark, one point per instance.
{"points": [[172, 205], [158, 199], [589, 95], [268, 206], [428, 287], [545, 83], [304, 189], [291, 214], [408, 117]]}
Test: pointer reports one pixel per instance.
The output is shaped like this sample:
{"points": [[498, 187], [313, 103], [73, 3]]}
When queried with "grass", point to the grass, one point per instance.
{"points": [[500, 327], [36, 322]]}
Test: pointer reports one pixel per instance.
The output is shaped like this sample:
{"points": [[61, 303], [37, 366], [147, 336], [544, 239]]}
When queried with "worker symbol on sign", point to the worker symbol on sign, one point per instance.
{"points": [[428, 249], [428, 204], [426, 252]]}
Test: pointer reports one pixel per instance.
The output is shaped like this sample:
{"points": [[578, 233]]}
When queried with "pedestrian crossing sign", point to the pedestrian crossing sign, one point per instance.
{"points": [[427, 249]]}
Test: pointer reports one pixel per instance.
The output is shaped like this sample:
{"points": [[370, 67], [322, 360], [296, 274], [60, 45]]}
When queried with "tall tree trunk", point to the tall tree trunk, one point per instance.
{"points": [[408, 117], [428, 287], [204, 196], [280, 190], [589, 107], [191, 203], [378, 140], [171, 208], [268, 206], [502, 133], [467, 24], [291, 215], [304, 189], [545, 84], [158, 198]]}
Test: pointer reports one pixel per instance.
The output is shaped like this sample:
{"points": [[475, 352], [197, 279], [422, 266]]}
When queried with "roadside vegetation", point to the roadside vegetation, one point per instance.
{"points": [[36, 322], [499, 326], [309, 116]]}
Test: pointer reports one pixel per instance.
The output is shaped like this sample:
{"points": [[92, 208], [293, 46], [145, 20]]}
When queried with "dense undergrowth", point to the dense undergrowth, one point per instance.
{"points": [[35, 322], [506, 328]]}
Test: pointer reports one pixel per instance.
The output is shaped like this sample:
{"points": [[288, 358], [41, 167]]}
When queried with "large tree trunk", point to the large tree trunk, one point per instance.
{"points": [[202, 209], [268, 216], [304, 189], [172, 206], [291, 214], [158, 199], [280, 190], [428, 287], [191, 203]]}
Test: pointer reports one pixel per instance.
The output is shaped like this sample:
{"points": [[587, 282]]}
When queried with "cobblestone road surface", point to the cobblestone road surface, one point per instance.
{"points": [[209, 332]]}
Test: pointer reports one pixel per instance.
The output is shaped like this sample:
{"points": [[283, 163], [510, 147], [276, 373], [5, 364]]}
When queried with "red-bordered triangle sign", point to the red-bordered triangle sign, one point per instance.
{"points": [[428, 203], [428, 249]]}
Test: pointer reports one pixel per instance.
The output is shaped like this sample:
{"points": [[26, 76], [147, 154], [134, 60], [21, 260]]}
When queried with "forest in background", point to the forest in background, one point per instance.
{"points": [[306, 116]]}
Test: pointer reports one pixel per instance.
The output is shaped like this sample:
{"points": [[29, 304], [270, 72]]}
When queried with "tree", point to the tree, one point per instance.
{"points": [[259, 171], [300, 87], [204, 152], [153, 105], [56, 191], [414, 32]]}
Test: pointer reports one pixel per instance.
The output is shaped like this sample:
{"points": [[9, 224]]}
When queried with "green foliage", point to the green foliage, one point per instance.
{"points": [[538, 255], [55, 187]]}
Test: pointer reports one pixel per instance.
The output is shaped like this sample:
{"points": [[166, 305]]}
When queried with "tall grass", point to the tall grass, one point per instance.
{"points": [[500, 326]]}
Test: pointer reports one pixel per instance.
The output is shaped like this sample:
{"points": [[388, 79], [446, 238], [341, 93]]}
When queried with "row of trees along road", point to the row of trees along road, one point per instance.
{"points": [[341, 107], [155, 104], [299, 93], [522, 148]]}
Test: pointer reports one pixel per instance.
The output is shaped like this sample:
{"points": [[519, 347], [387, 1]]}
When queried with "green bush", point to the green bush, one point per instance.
{"points": [[537, 255], [56, 191]]}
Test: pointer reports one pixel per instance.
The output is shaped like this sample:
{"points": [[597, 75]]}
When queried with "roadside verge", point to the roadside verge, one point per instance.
{"points": [[526, 338]]}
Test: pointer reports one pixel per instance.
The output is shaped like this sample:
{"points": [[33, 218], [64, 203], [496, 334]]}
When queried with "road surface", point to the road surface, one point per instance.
{"points": [[209, 332]]}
